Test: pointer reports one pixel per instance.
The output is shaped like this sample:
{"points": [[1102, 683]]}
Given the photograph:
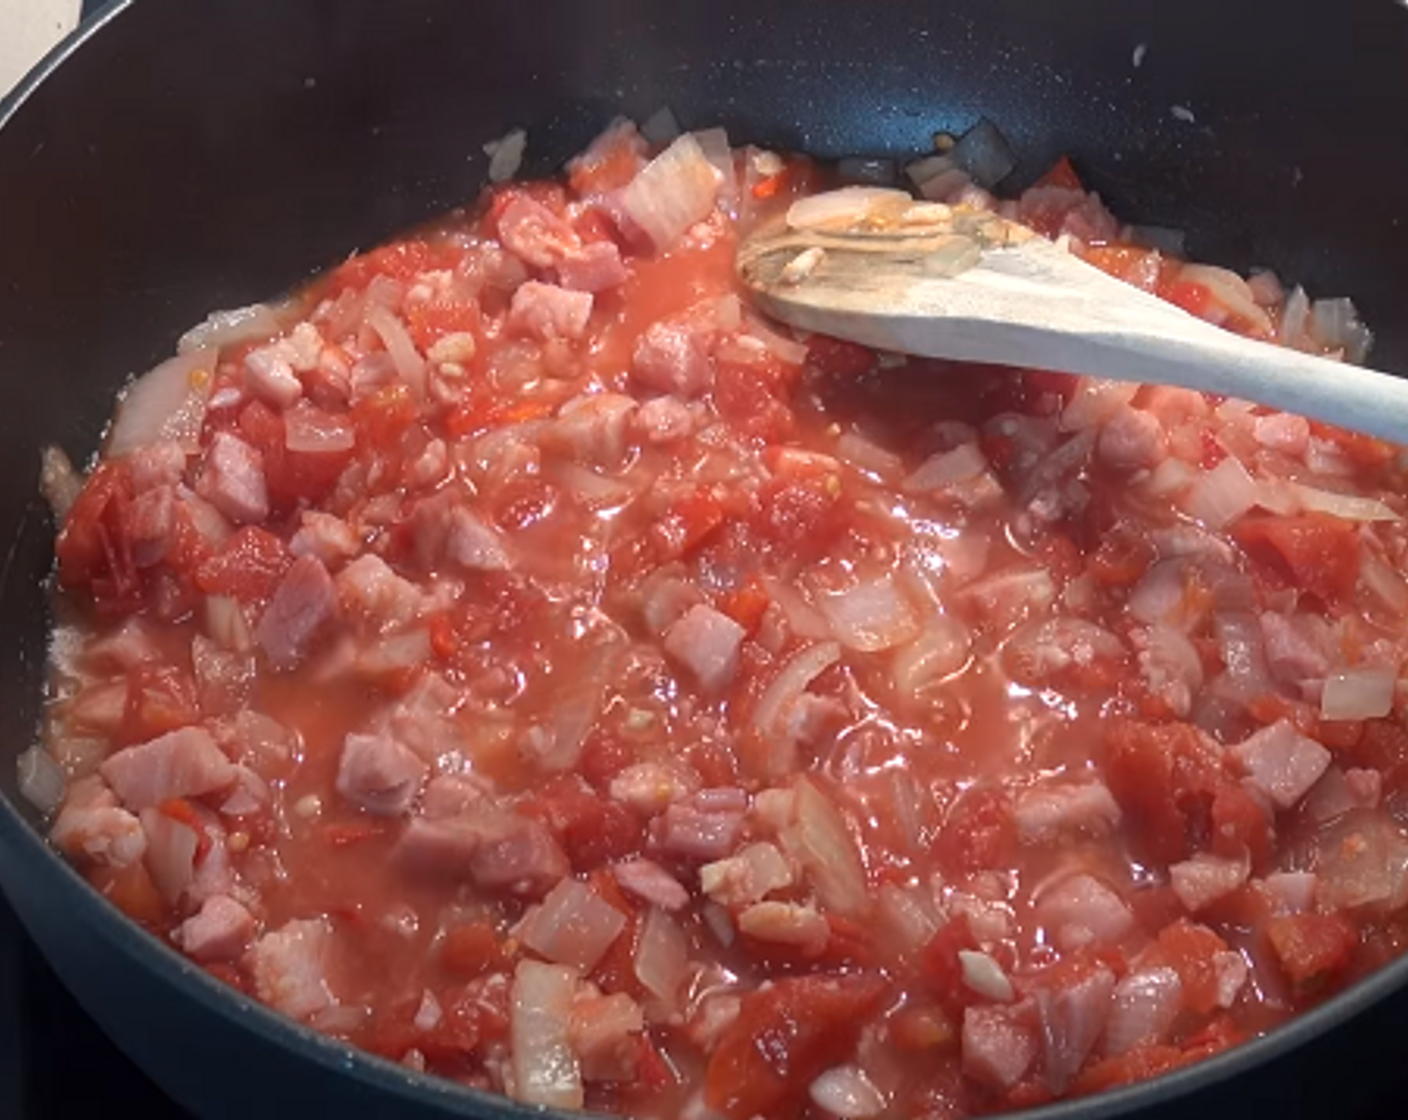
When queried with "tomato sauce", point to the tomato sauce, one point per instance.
{"points": [[539, 670]]}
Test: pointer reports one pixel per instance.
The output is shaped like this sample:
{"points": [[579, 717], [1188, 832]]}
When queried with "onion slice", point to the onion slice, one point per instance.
{"points": [[1365, 692], [545, 1069], [672, 192], [41, 779], [167, 403]]}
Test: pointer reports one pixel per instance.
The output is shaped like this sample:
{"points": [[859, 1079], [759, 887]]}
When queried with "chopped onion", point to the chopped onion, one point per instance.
{"points": [[1337, 326], [985, 154], [1143, 1010], [254, 323], [1229, 290], [310, 429], [964, 462], [545, 1069], [171, 853], [1388, 584], [1169, 479], [410, 366], [672, 192], [429, 1013], [840, 208], [662, 957], [506, 155], [58, 481], [1222, 495], [871, 616], [984, 975], [845, 1091], [803, 618], [661, 127], [1350, 507], [1295, 320], [1365, 692], [713, 142], [790, 683], [1241, 644], [395, 654], [41, 779], [909, 914], [1095, 401], [866, 456], [821, 843], [941, 650], [168, 403], [594, 491], [574, 926], [786, 350]]}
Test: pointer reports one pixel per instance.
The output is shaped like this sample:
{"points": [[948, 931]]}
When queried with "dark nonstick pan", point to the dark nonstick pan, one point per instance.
{"points": [[179, 156]]}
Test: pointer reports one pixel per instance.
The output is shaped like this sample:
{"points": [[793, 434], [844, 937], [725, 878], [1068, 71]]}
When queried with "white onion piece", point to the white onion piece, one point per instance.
{"points": [[1222, 495], [803, 618], [840, 208], [429, 1013], [506, 155], [662, 957], [845, 1091], [1143, 1009], [1242, 647], [788, 351], [1095, 401], [1365, 692], [713, 142], [254, 323], [1350, 507], [672, 192], [1388, 584], [871, 616], [942, 649], [909, 915], [573, 926], [410, 366], [984, 975], [1169, 479], [790, 683], [41, 779], [819, 840], [594, 491], [1337, 326], [866, 456], [171, 853], [545, 1069], [1295, 320], [1228, 289], [308, 428], [59, 482], [167, 403], [964, 462]]}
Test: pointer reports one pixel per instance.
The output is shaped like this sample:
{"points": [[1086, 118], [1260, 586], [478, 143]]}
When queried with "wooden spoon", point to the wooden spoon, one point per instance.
{"points": [[876, 267]]}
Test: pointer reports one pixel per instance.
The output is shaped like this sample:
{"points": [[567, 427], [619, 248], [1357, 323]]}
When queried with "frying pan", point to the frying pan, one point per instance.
{"points": [[176, 157]]}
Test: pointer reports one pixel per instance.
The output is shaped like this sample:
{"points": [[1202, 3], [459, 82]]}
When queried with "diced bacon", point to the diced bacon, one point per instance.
{"points": [[181, 763], [1073, 1016], [1082, 911], [1283, 432], [157, 464], [1282, 763], [596, 267], [150, 521], [218, 932], [672, 356], [651, 787], [605, 1033], [91, 825], [573, 925], [368, 587], [326, 537], [747, 877], [1291, 892], [269, 376], [1170, 666], [536, 235], [497, 850], [786, 923], [450, 796], [475, 545], [1291, 655], [1143, 1009], [694, 832], [379, 774], [998, 1049], [664, 420], [1046, 812], [547, 312], [596, 427], [706, 642], [304, 600], [289, 968], [1132, 440], [231, 479], [651, 883], [1204, 879]]}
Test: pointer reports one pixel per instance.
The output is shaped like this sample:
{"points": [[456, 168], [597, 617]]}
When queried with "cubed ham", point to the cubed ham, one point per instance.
{"points": [[1073, 1016], [596, 267], [248, 796], [1081, 910], [92, 826], [130, 645], [150, 522], [1046, 812], [474, 544], [304, 600], [181, 763], [157, 464], [379, 774], [663, 420], [537, 236], [1132, 440], [450, 796], [231, 479], [651, 787], [998, 1049], [673, 357], [1281, 763], [269, 376], [328, 538], [370, 588], [596, 427], [219, 931], [548, 312], [1204, 879], [706, 642], [688, 830], [289, 968], [1291, 653], [651, 883], [496, 849], [1283, 432]]}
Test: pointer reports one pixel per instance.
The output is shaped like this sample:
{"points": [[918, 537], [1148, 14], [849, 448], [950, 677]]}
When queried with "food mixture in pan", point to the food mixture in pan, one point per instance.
{"points": [[518, 659]]}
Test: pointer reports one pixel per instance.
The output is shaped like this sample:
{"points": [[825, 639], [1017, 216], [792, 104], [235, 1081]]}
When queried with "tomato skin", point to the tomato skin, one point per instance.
{"points": [[1320, 551], [784, 1037]]}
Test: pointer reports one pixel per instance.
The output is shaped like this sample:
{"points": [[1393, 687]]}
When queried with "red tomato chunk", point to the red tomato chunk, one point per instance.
{"points": [[522, 661]]}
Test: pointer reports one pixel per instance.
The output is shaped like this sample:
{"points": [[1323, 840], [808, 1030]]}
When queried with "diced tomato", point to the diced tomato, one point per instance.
{"points": [[382, 418], [1139, 267], [1188, 949], [688, 524], [801, 514], [93, 549], [248, 566], [746, 605], [1164, 777], [783, 1038], [1320, 551], [604, 755], [1365, 452], [160, 698], [471, 949], [1062, 174], [836, 357], [592, 830], [292, 476], [745, 395], [1194, 298], [923, 1028], [430, 320], [401, 260], [979, 833], [1240, 825], [1140, 1064], [1312, 948], [1122, 558]]}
